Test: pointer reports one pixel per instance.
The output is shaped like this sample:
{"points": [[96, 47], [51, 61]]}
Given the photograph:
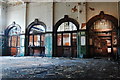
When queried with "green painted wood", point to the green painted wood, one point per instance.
{"points": [[81, 48], [22, 46], [48, 45], [1, 44], [78, 45]]}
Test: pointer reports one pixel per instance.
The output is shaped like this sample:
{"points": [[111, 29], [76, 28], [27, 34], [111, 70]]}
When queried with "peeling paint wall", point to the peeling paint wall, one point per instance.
{"points": [[43, 11], [94, 8], [3, 16], [75, 10], [17, 14], [2, 24]]}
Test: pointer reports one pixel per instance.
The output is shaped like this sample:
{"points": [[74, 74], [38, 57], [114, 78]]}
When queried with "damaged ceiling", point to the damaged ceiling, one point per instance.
{"points": [[18, 2], [13, 2]]}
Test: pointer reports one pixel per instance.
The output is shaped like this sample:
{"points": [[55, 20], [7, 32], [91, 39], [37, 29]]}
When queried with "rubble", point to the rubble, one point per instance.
{"points": [[37, 67]]}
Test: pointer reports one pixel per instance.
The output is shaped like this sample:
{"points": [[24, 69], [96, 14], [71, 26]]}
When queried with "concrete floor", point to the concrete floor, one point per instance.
{"points": [[38, 67]]}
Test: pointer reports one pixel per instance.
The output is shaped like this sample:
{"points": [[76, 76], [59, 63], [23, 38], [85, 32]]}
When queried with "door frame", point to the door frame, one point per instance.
{"points": [[6, 43], [65, 19], [35, 22], [98, 17]]}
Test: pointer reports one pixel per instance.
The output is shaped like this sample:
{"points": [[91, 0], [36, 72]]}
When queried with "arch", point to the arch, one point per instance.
{"points": [[102, 16], [63, 33], [102, 34], [12, 42], [31, 26], [66, 19], [7, 30], [35, 22]]}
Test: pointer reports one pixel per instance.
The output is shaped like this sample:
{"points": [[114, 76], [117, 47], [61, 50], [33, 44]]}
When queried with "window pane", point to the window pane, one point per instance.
{"points": [[82, 33], [22, 40], [18, 43], [37, 29], [103, 24], [72, 26], [74, 38], [66, 39], [42, 40], [14, 41], [67, 26], [10, 41], [109, 50], [36, 40], [14, 31], [83, 40], [18, 51], [30, 40], [59, 37]]}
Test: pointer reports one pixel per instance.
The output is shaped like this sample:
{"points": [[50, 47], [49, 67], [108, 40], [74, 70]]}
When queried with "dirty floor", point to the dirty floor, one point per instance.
{"points": [[38, 67]]}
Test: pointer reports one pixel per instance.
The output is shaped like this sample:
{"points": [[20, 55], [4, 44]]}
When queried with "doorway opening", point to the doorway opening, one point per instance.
{"points": [[65, 37], [12, 34], [102, 36], [35, 38]]}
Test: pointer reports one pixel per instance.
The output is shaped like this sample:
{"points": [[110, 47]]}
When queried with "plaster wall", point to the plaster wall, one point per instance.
{"points": [[42, 11], [2, 16], [75, 10], [17, 14], [94, 8]]}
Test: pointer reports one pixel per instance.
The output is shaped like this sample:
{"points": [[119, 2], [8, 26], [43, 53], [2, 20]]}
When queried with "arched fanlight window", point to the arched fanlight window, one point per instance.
{"points": [[13, 29], [37, 29], [13, 38], [102, 35], [36, 38], [67, 26], [65, 39], [103, 24]]}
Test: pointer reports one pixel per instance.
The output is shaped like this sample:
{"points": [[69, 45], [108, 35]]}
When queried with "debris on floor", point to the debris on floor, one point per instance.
{"points": [[38, 67]]}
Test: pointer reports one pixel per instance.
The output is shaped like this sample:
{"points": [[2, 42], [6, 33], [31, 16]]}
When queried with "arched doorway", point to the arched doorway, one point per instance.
{"points": [[65, 37], [35, 39], [102, 36], [12, 34]]}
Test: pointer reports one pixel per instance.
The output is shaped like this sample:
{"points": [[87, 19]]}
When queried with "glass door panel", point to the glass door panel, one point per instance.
{"points": [[31, 40], [59, 39], [14, 41], [66, 39], [42, 40], [74, 39]]}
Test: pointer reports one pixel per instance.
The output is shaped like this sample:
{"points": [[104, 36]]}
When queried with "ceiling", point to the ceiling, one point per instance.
{"points": [[13, 2], [17, 2]]}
